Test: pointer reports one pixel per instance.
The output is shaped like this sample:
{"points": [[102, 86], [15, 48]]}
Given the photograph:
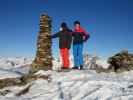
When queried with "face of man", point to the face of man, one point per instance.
{"points": [[77, 26]]}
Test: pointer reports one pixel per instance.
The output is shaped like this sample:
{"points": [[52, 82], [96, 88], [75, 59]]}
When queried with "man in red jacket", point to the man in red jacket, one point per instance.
{"points": [[79, 37]]}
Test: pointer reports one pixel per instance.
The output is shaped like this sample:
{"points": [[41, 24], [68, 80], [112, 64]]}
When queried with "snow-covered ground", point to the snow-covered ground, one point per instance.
{"points": [[71, 85]]}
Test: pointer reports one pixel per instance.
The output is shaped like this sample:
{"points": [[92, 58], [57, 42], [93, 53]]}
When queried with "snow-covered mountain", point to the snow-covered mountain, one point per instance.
{"points": [[71, 85], [7, 62]]}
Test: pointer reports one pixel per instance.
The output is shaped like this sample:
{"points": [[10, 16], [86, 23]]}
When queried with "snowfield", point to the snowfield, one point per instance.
{"points": [[71, 85]]}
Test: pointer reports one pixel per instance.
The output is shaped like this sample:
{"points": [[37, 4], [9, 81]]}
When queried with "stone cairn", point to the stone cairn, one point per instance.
{"points": [[122, 61], [43, 59]]}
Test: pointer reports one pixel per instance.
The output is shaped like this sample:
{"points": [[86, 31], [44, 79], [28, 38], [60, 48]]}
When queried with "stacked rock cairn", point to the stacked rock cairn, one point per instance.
{"points": [[43, 59]]}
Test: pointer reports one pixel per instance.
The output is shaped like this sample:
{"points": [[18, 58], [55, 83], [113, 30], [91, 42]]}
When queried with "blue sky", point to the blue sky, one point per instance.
{"points": [[108, 21]]}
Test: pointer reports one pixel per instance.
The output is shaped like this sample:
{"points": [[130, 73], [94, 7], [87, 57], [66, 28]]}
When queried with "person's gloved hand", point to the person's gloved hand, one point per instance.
{"points": [[60, 29], [85, 38]]}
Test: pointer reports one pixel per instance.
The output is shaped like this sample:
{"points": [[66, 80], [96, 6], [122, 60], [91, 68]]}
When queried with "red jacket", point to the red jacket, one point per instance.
{"points": [[82, 30]]}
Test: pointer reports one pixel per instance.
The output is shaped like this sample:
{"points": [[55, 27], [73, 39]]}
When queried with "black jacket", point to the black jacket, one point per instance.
{"points": [[65, 38], [78, 37]]}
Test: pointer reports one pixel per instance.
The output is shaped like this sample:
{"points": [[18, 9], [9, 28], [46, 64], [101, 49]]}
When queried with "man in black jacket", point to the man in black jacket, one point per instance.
{"points": [[65, 39]]}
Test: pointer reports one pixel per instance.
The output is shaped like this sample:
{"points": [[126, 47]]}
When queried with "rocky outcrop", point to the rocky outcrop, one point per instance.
{"points": [[122, 61], [21, 81], [43, 60]]}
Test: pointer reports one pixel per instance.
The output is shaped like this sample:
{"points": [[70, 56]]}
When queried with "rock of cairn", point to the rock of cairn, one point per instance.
{"points": [[43, 59], [122, 61]]}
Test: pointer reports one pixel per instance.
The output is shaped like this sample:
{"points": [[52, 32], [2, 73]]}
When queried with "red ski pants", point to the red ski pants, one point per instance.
{"points": [[65, 57]]}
